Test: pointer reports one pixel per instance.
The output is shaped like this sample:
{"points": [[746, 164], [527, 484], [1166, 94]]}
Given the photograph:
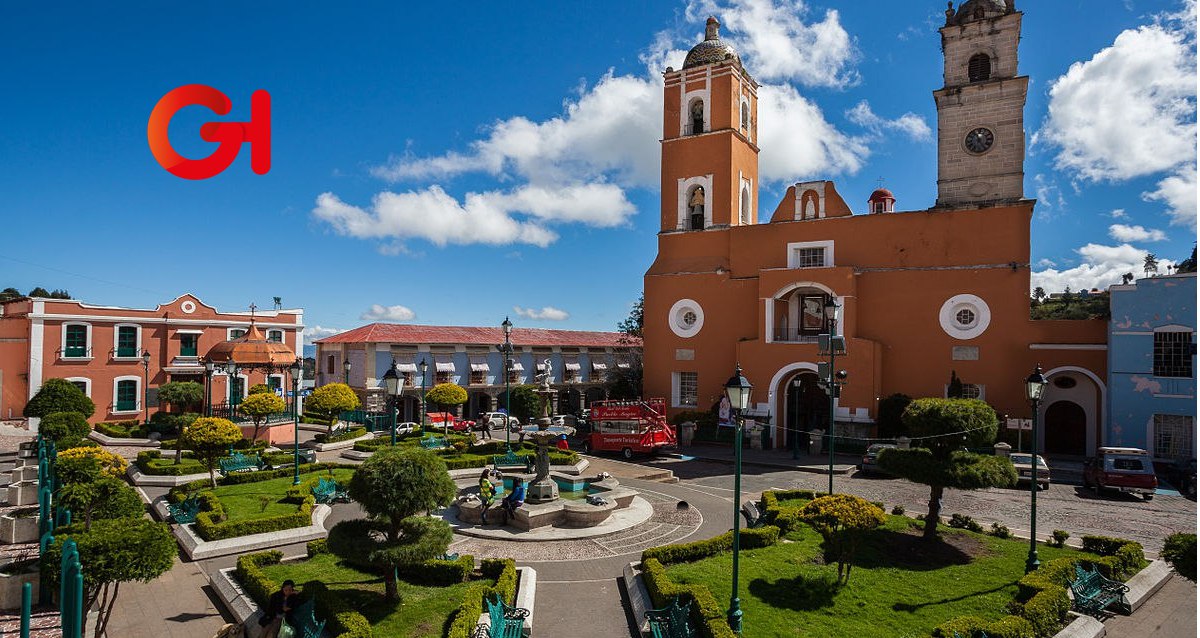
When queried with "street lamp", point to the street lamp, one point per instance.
{"points": [[1035, 389], [346, 371], [209, 368], [393, 382], [507, 350], [737, 388], [424, 407], [832, 309], [146, 385], [295, 369]]}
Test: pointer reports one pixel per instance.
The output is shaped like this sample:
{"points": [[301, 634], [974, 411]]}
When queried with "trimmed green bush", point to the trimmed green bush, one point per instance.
{"points": [[707, 615], [253, 579], [1059, 537], [210, 525], [962, 521], [352, 433], [1180, 551], [440, 572], [340, 617], [66, 429]]}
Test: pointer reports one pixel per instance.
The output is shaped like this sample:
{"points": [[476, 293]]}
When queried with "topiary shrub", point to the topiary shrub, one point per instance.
{"points": [[1180, 551], [1000, 531], [59, 395], [66, 429], [1058, 538]]}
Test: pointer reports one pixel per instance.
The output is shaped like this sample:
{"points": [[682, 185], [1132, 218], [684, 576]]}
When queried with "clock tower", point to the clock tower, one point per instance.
{"points": [[981, 125]]}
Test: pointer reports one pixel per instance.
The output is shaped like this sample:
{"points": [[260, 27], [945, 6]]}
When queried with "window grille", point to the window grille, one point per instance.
{"points": [[979, 68], [810, 257], [1173, 354], [1173, 436]]}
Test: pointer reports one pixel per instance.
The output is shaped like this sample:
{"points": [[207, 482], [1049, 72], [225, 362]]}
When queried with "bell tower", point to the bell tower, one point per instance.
{"points": [[710, 131], [981, 126]]}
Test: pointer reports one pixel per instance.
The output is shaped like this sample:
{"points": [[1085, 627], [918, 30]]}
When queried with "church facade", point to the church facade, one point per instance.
{"points": [[923, 294]]}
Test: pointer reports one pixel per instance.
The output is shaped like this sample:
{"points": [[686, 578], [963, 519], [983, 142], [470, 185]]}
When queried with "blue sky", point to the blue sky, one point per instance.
{"points": [[446, 165]]}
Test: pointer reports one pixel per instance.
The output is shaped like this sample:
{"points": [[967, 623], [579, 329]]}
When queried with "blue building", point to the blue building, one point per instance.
{"points": [[580, 363], [1152, 366]]}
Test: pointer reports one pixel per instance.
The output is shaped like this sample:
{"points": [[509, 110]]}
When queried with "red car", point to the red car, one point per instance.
{"points": [[1124, 469]]}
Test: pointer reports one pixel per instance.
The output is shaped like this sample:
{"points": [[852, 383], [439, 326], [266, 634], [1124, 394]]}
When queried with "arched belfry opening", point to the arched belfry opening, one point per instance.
{"points": [[696, 208], [979, 68], [696, 117]]}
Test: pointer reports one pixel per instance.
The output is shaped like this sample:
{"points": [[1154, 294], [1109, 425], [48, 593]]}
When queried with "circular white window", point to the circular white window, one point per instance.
{"points": [[965, 316], [686, 318], [188, 306]]}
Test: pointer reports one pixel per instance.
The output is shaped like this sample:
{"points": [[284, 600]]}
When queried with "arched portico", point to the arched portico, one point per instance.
{"points": [[777, 397], [1073, 412]]}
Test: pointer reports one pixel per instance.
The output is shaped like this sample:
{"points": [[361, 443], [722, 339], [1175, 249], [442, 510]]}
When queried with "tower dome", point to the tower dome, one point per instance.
{"points": [[976, 10], [712, 49], [881, 201]]}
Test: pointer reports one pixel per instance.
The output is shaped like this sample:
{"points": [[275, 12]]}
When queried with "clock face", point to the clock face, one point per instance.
{"points": [[979, 140]]}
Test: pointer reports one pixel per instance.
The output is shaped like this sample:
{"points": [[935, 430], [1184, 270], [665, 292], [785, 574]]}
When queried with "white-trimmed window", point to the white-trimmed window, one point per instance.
{"points": [[83, 383], [235, 388], [127, 341], [599, 371], [275, 382], [1174, 436], [571, 371], [77, 341], [515, 370], [684, 386], [275, 336], [234, 333], [1173, 352], [810, 254], [127, 394]]}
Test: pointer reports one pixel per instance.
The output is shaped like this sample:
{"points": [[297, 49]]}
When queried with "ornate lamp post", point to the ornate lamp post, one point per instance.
{"points": [[1035, 390], [506, 348], [295, 369], [737, 388], [424, 368], [146, 386], [209, 368], [346, 372], [832, 309], [393, 382]]}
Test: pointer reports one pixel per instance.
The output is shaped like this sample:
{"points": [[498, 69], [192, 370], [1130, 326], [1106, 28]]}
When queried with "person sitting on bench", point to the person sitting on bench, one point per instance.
{"points": [[279, 606]]}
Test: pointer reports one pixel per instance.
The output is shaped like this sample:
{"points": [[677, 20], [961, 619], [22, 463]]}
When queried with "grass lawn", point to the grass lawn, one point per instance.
{"points": [[900, 587], [421, 613], [245, 501]]}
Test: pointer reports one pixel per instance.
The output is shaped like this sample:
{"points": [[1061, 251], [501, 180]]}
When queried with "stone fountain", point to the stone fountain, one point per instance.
{"points": [[543, 489]]}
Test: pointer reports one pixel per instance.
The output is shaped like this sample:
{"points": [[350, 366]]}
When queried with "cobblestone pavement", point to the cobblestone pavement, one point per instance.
{"points": [[1066, 507]]}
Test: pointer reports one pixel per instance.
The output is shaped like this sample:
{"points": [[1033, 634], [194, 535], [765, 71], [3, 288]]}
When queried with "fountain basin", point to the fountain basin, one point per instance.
{"points": [[571, 511]]}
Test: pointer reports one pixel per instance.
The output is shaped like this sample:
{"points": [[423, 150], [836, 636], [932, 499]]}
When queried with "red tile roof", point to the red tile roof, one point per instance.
{"points": [[407, 333]]}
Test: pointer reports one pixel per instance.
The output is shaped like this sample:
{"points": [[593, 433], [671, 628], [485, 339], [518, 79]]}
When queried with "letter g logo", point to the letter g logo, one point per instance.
{"points": [[229, 135]]}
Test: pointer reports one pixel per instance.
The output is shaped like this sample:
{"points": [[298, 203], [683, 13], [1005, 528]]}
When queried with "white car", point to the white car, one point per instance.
{"points": [[408, 427], [495, 420]]}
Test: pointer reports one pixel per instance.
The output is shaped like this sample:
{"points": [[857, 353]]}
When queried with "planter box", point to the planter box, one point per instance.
{"points": [[24, 473], [10, 588], [24, 493], [15, 529]]}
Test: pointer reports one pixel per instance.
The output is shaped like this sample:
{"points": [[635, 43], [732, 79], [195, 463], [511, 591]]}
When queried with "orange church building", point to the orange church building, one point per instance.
{"points": [[923, 293]]}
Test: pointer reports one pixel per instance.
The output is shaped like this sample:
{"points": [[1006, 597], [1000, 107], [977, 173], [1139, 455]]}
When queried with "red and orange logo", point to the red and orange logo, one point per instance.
{"points": [[229, 135]]}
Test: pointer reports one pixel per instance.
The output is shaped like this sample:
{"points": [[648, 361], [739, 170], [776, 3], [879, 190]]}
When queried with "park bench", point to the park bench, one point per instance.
{"points": [[431, 442], [304, 622], [185, 511], [453, 556], [754, 516], [1094, 593], [327, 491], [510, 460], [238, 462], [504, 621], [671, 621]]}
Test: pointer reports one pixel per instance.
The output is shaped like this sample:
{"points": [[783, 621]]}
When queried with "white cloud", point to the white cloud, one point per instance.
{"points": [[1118, 213], [547, 313], [1130, 111], [1101, 267], [1122, 232], [802, 143], [910, 124], [1048, 194], [774, 40], [1179, 193], [378, 312], [312, 333], [1043, 263]]}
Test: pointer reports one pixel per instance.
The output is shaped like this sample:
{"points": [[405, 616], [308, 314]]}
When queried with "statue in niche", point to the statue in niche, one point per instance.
{"points": [[696, 209]]}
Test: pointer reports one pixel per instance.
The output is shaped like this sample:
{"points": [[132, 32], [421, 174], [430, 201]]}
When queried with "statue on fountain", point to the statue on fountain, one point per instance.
{"points": [[543, 489]]}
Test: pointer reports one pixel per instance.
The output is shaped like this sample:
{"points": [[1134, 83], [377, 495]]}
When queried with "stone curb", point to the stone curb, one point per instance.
{"points": [[339, 445], [1145, 583], [198, 549], [108, 440], [838, 468], [154, 480], [639, 598], [1083, 627]]}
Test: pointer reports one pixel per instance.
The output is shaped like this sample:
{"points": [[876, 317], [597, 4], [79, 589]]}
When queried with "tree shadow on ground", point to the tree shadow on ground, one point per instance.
{"points": [[909, 607], [802, 593], [911, 551]]}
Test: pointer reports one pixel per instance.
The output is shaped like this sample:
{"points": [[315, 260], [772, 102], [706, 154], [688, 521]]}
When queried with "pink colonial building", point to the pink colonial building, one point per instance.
{"points": [[119, 356]]}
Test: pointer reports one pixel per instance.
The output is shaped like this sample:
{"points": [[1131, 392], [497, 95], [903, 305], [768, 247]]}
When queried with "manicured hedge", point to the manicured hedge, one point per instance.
{"points": [[440, 572], [254, 477], [211, 526], [130, 429], [340, 618], [151, 462], [707, 615], [504, 570], [352, 433], [974, 626], [787, 520], [687, 552]]}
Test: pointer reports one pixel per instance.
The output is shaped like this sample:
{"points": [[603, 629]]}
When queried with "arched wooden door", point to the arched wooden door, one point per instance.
{"points": [[807, 409], [1066, 429]]}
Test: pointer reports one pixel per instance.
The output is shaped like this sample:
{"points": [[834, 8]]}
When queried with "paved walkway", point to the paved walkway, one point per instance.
{"points": [[178, 604], [1170, 613]]}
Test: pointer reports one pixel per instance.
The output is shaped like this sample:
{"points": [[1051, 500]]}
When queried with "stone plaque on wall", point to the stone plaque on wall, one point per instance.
{"points": [[964, 353], [685, 354]]}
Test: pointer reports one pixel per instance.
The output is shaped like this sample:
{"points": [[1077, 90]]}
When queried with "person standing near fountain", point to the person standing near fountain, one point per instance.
{"points": [[487, 494]]}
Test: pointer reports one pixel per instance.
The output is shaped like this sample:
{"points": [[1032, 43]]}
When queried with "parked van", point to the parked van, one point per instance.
{"points": [[1123, 469]]}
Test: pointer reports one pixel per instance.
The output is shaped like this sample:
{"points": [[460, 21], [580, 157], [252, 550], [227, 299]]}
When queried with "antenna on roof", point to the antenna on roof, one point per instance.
{"points": [[252, 309], [278, 302]]}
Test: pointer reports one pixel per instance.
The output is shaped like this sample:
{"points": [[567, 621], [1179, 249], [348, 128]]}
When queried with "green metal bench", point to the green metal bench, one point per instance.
{"points": [[453, 556], [505, 621], [512, 460], [305, 623], [671, 621], [1093, 592], [431, 442], [327, 491], [185, 511], [238, 462]]}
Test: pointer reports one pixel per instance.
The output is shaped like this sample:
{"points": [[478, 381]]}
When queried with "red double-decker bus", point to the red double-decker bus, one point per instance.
{"points": [[629, 427]]}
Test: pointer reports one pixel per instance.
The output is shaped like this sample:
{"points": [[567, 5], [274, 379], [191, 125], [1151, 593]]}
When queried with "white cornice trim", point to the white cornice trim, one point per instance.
{"points": [[162, 320]]}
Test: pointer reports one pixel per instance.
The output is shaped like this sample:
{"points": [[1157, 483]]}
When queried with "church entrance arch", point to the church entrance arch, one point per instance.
{"points": [[805, 408], [1066, 428]]}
